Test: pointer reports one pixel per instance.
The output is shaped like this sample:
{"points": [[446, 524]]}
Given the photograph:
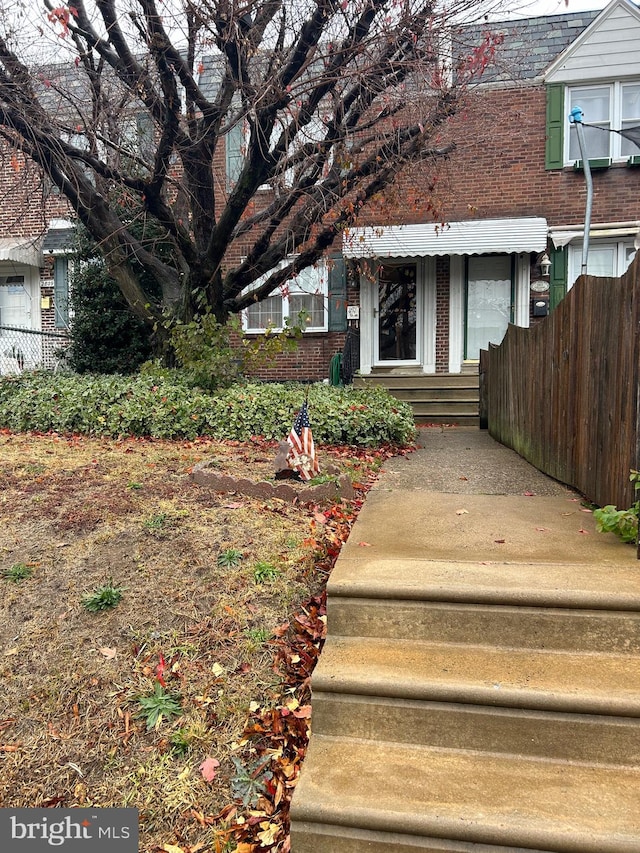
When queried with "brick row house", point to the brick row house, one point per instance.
{"points": [[423, 298], [512, 198], [402, 295]]}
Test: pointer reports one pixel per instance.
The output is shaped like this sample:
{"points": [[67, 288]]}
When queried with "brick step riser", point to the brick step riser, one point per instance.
{"points": [[536, 734], [616, 632]]}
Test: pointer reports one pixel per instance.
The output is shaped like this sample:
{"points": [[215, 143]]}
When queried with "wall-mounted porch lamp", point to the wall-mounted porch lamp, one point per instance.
{"points": [[545, 266]]}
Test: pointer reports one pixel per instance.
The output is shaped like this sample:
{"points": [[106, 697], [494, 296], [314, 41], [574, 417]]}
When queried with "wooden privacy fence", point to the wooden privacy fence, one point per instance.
{"points": [[564, 394]]}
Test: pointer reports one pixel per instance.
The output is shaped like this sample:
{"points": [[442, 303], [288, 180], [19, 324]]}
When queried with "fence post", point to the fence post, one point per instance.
{"points": [[483, 401]]}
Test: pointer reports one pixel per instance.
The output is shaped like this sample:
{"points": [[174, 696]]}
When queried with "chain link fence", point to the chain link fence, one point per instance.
{"points": [[27, 349]]}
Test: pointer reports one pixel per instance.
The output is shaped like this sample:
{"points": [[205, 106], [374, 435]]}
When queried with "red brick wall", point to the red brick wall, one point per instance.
{"points": [[310, 361], [498, 170], [442, 315]]}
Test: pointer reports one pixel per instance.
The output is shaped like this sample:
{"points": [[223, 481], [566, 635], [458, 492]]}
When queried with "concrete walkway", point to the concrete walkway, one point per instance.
{"points": [[480, 685]]}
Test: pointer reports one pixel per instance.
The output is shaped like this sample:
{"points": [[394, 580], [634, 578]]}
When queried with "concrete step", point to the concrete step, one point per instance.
{"points": [[543, 628], [534, 734], [417, 379], [457, 419], [424, 406], [611, 587], [434, 397], [463, 796], [481, 675], [316, 837], [441, 395]]}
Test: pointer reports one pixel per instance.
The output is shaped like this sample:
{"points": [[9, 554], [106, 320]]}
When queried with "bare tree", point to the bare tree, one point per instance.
{"points": [[325, 102]]}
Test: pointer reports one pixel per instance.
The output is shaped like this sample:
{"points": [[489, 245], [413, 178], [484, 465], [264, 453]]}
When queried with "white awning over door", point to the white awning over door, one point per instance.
{"points": [[22, 250], [472, 237]]}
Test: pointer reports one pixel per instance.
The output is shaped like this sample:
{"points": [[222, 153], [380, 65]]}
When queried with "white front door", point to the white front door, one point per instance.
{"points": [[398, 315]]}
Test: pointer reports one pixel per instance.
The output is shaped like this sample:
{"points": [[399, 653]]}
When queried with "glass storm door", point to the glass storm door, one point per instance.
{"points": [[489, 302], [397, 314], [14, 302]]}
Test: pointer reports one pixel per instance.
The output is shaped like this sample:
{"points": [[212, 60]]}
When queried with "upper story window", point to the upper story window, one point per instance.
{"points": [[307, 293], [608, 106]]}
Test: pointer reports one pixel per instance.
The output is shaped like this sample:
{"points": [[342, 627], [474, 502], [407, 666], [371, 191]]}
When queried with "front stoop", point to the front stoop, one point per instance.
{"points": [[451, 398], [455, 717]]}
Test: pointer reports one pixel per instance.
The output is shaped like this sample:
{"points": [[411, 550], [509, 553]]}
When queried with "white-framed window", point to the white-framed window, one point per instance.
{"points": [[237, 143], [608, 106], [306, 294], [606, 258]]}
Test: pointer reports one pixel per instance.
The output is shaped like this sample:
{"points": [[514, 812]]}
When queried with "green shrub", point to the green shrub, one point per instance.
{"points": [[622, 522], [106, 336], [162, 405], [217, 355]]}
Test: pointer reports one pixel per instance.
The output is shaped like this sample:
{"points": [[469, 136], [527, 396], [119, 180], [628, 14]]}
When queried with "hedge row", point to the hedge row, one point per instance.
{"points": [[165, 407]]}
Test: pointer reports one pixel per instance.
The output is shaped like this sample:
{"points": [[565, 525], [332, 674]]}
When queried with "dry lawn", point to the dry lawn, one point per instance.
{"points": [[79, 513]]}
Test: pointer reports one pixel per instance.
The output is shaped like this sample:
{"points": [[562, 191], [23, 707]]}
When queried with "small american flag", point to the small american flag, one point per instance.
{"points": [[302, 452]]}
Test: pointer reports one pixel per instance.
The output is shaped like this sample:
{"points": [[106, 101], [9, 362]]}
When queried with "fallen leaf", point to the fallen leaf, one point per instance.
{"points": [[462, 512], [365, 544], [529, 494], [217, 670], [13, 651], [303, 712], [320, 517], [209, 768], [500, 541], [269, 833], [584, 509], [542, 529], [109, 653], [232, 506], [582, 530], [171, 848], [463, 478]]}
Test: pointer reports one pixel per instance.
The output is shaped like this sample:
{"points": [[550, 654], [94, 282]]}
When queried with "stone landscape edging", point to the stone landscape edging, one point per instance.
{"points": [[290, 491]]}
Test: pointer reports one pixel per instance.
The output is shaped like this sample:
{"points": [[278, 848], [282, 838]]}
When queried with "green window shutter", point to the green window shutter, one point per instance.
{"points": [[234, 154], [558, 278], [337, 295], [61, 293], [554, 154]]}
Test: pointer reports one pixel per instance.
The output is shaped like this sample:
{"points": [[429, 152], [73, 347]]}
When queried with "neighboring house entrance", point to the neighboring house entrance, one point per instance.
{"points": [[19, 309], [489, 298]]}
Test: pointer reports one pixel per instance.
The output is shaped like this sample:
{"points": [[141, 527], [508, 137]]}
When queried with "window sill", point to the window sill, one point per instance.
{"points": [[595, 164], [634, 160], [257, 332]]}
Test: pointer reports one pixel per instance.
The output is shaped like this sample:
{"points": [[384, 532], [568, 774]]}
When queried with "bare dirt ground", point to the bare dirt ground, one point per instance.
{"points": [[220, 612]]}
